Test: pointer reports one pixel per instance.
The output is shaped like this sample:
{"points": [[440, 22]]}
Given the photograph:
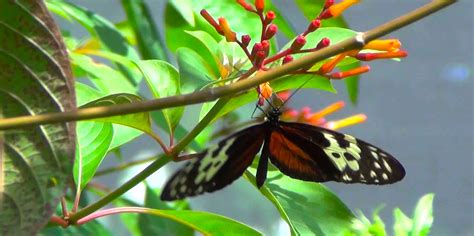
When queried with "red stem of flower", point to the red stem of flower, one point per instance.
{"points": [[58, 220], [277, 56], [244, 48]]}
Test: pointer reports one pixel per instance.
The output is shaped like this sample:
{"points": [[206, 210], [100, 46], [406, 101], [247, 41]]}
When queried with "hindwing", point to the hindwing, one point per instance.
{"points": [[216, 167]]}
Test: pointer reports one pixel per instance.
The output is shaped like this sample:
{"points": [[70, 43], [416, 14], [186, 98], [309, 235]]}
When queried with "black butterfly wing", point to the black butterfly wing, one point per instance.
{"points": [[216, 167], [340, 157]]}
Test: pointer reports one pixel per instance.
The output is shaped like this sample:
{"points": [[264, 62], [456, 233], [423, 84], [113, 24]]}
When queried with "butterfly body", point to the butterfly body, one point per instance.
{"points": [[299, 150]]}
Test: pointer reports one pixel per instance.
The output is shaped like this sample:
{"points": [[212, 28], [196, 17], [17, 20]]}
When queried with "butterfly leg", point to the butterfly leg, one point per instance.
{"points": [[263, 163]]}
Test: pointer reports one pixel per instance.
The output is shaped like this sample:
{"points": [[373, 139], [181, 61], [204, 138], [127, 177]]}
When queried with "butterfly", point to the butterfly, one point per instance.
{"points": [[298, 150]]}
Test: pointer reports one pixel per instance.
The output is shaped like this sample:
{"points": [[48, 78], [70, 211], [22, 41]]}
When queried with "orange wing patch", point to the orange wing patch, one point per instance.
{"points": [[291, 159]]}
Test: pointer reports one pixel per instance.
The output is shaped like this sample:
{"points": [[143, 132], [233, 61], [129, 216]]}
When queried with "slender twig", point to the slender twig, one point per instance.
{"points": [[124, 166], [78, 187], [64, 207], [242, 85]]}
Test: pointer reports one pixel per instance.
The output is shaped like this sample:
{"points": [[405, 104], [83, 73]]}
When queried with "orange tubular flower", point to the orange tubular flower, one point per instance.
{"points": [[338, 8], [385, 55], [327, 110], [230, 35], [331, 64], [259, 5], [345, 74], [349, 121], [388, 45]]}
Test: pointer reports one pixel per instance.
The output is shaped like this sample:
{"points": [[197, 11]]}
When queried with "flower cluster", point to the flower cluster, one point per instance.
{"points": [[318, 118], [258, 54]]}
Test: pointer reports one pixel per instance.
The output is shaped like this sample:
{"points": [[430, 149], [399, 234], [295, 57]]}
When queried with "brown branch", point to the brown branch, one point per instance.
{"points": [[227, 90]]}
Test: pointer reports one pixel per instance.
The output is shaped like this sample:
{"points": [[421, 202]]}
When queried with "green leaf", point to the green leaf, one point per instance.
{"points": [[93, 143], [184, 8], [284, 83], [154, 225], [205, 222], [194, 71], [149, 41], [308, 208], [423, 215], [35, 78], [207, 48], [163, 81], [105, 78], [122, 134], [403, 224], [140, 121], [109, 36]]}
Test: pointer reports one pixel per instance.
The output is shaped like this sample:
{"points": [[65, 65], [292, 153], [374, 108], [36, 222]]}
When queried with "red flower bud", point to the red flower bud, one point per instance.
{"points": [[314, 25], [270, 16], [323, 43], [211, 21], [245, 40], [328, 3], [326, 14], [298, 43], [287, 59], [256, 48], [271, 31]]}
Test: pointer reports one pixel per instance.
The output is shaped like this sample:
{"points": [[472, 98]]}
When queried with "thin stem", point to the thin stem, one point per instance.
{"points": [[277, 56], [120, 190], [78, 187], [201, 125], [64, 207], [112, 211], [160, 142], [227, 90], [124, 166]]}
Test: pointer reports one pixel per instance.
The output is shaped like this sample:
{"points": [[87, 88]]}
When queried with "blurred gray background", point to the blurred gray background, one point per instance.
{"points": [[420, 110]]}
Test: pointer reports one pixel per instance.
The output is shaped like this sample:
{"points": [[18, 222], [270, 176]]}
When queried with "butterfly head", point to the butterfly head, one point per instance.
{"points": [[274, 114]]}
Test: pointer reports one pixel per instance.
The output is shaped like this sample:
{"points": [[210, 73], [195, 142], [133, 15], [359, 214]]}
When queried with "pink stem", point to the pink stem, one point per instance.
{"points": [[112, 211]]}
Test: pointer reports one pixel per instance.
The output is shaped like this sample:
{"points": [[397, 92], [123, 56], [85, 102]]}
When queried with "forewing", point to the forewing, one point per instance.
{"points": [[216, 167], [356, 161]]}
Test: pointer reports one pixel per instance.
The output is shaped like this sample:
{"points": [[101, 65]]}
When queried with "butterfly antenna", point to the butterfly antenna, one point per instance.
{"points": [[291, 95], [254, 110], [258, 107]]}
